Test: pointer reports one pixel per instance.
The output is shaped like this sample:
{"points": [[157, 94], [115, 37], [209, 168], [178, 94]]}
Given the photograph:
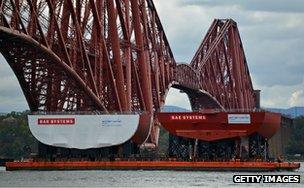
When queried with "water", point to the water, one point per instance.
{"points": [[129, 178]]}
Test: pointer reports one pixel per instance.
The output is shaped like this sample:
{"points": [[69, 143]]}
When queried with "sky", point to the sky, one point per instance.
{"points": [[272, 33]]}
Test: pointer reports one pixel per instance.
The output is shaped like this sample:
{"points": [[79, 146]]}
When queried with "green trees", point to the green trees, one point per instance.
{"points": [[296, 145], [16, 140]]}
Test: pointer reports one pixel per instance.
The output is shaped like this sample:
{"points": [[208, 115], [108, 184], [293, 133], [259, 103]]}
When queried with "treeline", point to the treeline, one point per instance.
{"points": [[16, 140], [296, 145]]}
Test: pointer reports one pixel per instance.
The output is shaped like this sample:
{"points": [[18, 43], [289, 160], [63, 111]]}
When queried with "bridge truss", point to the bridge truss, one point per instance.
{"points": [[114, 56]]}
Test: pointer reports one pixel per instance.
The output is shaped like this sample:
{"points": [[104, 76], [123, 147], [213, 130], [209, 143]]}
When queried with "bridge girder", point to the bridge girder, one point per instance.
{"points": [[113, 56]]}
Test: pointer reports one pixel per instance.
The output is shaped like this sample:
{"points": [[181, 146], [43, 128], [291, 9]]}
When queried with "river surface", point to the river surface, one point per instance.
{"points": [[98, 178]]}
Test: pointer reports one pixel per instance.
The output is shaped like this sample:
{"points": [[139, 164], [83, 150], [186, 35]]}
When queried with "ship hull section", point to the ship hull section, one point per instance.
{"points": [[211, 126], [83, 131]]}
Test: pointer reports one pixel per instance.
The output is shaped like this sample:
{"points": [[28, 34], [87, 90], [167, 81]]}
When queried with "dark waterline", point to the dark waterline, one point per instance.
{"points": [[129, 178]]}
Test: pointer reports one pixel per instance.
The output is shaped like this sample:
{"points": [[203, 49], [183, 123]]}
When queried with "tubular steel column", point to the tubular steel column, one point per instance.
{"points": [[128, 56], [116, 54], [145, 79]]}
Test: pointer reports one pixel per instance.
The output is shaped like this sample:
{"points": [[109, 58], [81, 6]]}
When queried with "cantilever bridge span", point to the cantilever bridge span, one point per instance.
{"points": [[114, 56]]}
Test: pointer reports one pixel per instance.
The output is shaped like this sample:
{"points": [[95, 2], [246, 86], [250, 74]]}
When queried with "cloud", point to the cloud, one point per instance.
{"points": [[251, 5], [272, 40], [297, 98], [271, 32], [278, 96], [176, 98], [11, 95]]}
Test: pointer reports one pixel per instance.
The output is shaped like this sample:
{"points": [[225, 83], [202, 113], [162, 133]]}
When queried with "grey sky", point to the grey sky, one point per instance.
{"points": [[272, 32], [251, 5]]}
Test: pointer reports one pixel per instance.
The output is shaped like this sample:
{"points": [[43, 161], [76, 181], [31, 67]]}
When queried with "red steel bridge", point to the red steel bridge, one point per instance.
{"points": [[113, 56]]}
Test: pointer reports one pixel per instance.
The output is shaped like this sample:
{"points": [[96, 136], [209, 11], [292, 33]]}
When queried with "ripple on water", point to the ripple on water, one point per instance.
{"points": [[128, 178]]}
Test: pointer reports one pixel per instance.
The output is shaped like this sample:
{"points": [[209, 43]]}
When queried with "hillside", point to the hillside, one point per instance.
{"points": [[169, 108], [292, 112]]}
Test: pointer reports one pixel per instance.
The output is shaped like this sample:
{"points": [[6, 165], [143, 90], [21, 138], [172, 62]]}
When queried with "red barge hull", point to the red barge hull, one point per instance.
{"points": [[212, 125], [154, 165]]}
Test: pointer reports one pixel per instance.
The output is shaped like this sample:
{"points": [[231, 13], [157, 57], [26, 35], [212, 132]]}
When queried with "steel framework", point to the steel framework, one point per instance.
{"points": [[113, 56]]}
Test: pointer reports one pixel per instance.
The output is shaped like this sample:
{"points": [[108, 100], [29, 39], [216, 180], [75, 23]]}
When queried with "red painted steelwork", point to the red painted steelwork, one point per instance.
{"points": [[114, 56], [153, 165], [210, 126]]}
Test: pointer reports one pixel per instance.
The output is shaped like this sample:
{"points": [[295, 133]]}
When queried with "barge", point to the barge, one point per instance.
{"points": [[154, 165], [198, 141]]}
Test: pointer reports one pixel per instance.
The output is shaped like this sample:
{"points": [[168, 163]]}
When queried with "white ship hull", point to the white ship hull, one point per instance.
{"points": [[83, 131]]}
